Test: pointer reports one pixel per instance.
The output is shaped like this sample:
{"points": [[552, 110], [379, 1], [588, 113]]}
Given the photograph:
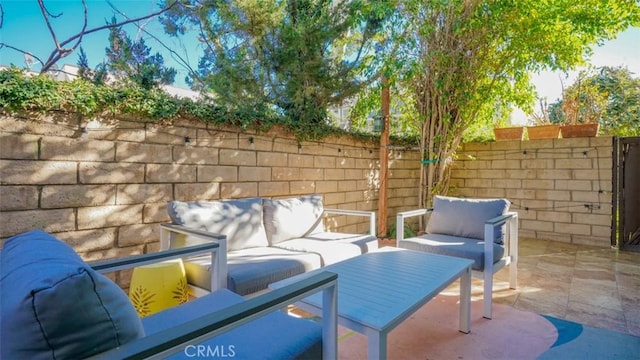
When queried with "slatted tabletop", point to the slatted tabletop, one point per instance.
{"points": [[378, 290]]}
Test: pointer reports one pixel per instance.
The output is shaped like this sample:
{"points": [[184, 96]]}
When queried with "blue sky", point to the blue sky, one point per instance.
{"points": [[25, 28]]}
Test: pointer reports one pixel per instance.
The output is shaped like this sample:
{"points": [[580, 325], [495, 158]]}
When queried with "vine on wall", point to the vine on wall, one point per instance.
{"points": [[20, 92]]}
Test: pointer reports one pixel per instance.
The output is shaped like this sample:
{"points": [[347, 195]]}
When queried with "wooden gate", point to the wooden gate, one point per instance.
{"points": [[626, 194]]}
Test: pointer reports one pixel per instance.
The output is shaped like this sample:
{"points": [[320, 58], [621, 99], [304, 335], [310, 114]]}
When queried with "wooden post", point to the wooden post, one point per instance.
{"points": [[384, 160]]}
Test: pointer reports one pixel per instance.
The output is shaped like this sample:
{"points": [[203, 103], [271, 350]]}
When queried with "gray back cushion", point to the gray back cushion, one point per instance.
{"points": [[240, 220], [292, 218], [54, 306], [465, 217]]}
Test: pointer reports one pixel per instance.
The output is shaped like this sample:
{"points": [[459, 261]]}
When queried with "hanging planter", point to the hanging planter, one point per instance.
{"points": [[543, 132], [580, 130], [509, 133]]}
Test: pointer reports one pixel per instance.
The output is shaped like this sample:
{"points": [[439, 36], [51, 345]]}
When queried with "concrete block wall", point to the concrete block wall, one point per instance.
{"points": [[561, 188], [105, 191]]}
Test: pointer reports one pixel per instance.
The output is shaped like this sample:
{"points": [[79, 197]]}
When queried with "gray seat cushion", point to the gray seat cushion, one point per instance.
{"points": [[252, 270], [273, 336], [240, 220], [54, 305], [332, 247], [292, 218], [465, 217], [453, 246]]}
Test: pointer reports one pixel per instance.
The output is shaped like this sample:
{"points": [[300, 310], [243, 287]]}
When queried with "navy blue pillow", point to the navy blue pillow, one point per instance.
{"points": [[55, 306]]}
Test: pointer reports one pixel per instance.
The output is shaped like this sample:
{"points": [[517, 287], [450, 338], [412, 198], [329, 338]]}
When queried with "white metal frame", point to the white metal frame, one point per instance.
{"points": [[168, 236], [357, 284], [169, 233], [173, 340], [370, 214], [510, 257]]}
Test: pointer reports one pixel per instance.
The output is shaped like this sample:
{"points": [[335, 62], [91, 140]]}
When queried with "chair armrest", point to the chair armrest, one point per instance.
{"points": [[500, 220], [511, 235], [370, 214], [105, 266], [407, 214], [168, 233], [173, 340]]}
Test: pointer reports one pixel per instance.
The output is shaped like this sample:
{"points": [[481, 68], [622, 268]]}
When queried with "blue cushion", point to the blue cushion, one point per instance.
{"points": [[240, 220], [465, 217], [453, 246], [273, 336], [55, 306]]}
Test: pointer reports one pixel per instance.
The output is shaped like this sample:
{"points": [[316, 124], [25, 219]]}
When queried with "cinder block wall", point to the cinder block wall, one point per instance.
{"points": [[105, 192], [561, 188]]}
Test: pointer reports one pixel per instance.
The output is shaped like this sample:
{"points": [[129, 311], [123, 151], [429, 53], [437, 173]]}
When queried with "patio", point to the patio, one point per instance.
{"points": [[593, 286], [590, 285]]}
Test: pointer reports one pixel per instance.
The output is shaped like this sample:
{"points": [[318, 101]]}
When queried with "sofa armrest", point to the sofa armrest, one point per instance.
{"points": [[407, 214], [105, 266], [173, 340], [370, 214], [169, 233]]}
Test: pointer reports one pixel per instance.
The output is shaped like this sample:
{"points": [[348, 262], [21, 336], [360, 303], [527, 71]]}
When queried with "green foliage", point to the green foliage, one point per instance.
{"points": [[297, 57], [130, 60], [467, 62], [20, 92], [408, 231], [403, 116], [97, 76], [608, 95], [41, 93]]}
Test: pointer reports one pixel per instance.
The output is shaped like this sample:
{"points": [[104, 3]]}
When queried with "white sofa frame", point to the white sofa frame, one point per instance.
{"points": [[170, 232], [173, 340], [218, 269]]}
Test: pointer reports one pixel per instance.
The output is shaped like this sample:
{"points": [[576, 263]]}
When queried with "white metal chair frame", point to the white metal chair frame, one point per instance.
{"points": [[510, 257]]}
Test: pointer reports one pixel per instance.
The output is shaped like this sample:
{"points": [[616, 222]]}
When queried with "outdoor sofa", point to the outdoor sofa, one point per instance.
{"points": [[56, 306], [482, 230], [267, 240]]}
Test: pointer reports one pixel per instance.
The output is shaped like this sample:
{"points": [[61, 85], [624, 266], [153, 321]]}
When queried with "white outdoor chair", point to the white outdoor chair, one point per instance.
{"points": [[479, 229]]}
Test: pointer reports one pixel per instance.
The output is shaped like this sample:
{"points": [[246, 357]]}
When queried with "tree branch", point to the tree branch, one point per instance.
{"points": [[61, 52], [173, 53], [21, 51]]}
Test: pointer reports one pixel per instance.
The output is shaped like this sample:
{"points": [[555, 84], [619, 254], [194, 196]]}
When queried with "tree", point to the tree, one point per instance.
{"points": [[609, 96], [296, 57], [66, 47], [462, 58], [129, 60], [97, 76]]}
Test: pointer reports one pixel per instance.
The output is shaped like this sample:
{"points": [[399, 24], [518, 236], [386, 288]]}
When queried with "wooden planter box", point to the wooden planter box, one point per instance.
{"points": [[543, 132], [509, 133], [579, 130]]}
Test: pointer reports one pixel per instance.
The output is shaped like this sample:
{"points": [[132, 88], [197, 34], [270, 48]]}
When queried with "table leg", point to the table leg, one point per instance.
{"points": [[376, 345], [465, 301]]}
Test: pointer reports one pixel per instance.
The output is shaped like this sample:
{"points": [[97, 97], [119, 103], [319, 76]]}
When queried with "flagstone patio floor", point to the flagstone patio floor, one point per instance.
{"points": [[595, 286]]}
